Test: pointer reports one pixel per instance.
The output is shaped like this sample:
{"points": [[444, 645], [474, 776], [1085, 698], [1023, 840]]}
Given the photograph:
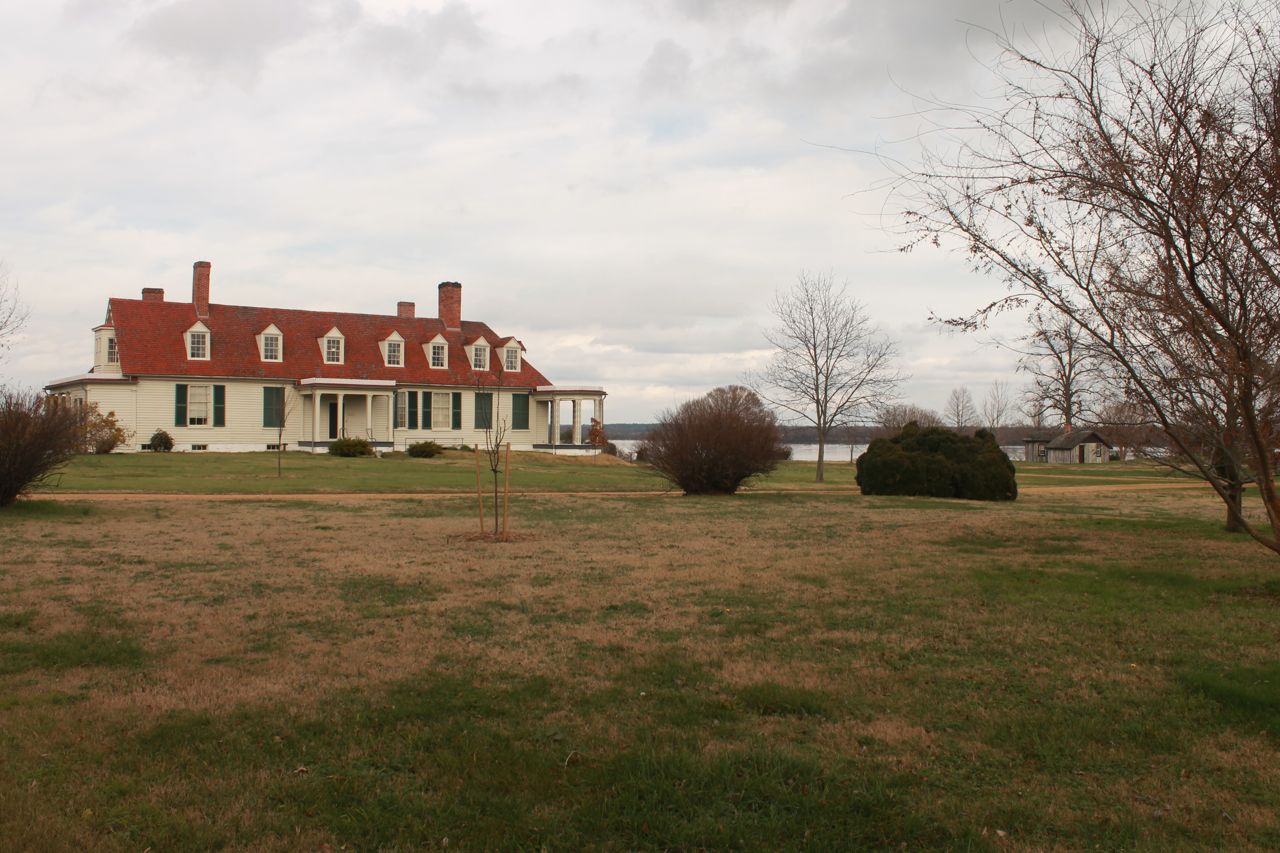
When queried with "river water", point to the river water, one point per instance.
{"points": [[835, 452]]}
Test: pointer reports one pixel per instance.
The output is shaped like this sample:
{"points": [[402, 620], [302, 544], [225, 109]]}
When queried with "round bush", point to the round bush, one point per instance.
{"points": [[351, 447], [161, 441], [936, 462], [713, 444], [424, 449]]}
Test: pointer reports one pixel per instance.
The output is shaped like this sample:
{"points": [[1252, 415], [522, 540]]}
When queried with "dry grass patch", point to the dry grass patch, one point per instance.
{"points": [[885, 670]]}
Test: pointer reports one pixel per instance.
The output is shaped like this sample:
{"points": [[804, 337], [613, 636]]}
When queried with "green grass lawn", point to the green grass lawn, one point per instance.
{"points": [[455, 471], [1082, 669], [255, 473]]}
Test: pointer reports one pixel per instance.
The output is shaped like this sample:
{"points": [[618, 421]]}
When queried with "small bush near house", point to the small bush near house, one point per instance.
{"points": [[161, 441], [351, 447], [103, 433], [424, 449], [936, 462], [37, 435], [712, 445]]}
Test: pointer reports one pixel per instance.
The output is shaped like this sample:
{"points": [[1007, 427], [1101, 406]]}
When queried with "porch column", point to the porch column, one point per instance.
{"points": [[315, 417], [555, 421], [576, 436], [391, 419], [368, 416], [342, 415], [600, 411]]}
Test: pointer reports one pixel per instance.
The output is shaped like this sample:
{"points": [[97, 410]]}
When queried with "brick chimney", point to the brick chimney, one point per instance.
{"points": [[451, 304], [200, 287], [153, 294], [405, 310]]}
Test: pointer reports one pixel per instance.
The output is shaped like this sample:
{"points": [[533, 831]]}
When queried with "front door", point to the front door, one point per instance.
{"points": [[333, 420]]}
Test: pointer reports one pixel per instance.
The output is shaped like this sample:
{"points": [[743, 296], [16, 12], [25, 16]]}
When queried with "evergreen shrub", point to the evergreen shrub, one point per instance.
{"points": [[351, 447], [161, 441], [938, 463], [424, 449]]}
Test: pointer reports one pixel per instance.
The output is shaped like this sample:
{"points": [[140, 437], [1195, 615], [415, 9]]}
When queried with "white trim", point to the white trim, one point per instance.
{"points": [[385, 346], [323, 340], [270, 331], [316, 381], [88, 377], [569, 389], [199, 329]]}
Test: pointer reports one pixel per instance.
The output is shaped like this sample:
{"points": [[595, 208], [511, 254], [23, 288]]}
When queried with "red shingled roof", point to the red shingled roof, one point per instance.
{"points": [[149, 336]]}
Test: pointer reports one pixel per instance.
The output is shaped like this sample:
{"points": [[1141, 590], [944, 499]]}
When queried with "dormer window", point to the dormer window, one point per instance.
{"points": [[437, 351], [198, 342], [480, 357], [113, 354], [511, 358], [393, 350], [332, 346], [271, 344]]}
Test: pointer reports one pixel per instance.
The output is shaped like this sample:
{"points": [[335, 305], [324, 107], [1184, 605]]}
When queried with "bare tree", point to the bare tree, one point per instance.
{"points": [[280, 408], [495, 427], [13, 314], [830, 363], [1131, 185], [997, 405], [1067, 370], [892, 418], [959, 411]]}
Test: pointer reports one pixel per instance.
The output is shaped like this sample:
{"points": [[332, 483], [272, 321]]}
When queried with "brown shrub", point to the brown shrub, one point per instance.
{"points": [[713, 444], [37, 435]]}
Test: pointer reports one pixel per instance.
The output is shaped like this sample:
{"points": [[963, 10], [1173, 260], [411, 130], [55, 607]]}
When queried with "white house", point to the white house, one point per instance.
{"points": [[230, 377]]}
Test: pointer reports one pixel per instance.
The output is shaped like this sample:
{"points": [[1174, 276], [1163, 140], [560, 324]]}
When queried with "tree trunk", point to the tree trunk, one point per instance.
{"points": [[822, 452], [1235, 507], [495, 504]]}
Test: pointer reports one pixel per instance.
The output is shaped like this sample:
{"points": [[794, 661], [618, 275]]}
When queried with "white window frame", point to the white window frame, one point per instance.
{"points": [[511, 358], [480, 353], [441, 410], [392, 347], [444, 355], [267, 342], [332, 344], [207, 420], [113, 351], [202, 337]]}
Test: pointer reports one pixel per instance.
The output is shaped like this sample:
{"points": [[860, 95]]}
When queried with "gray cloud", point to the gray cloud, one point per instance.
{"points": [[230, 36], [623, 186], [413, 42]]}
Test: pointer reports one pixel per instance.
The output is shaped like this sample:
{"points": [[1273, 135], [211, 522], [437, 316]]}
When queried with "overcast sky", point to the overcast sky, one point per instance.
{"points": [[622, 185]]}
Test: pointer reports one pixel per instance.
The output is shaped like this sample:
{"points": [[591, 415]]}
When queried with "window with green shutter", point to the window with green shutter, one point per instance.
{"points": [[519, 411], [180, 405], [219, 405], [484, 410], [273, 407], [412, 405], [457, 410]]}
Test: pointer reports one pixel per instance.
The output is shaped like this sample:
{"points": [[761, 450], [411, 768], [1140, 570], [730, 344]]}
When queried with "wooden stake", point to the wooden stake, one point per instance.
{"points": [[506, 491], [479, 492]]}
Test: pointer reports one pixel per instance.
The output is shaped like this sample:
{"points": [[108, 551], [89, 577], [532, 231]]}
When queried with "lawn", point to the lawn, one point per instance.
{"points": [[455, 471], [1083, 668]]}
